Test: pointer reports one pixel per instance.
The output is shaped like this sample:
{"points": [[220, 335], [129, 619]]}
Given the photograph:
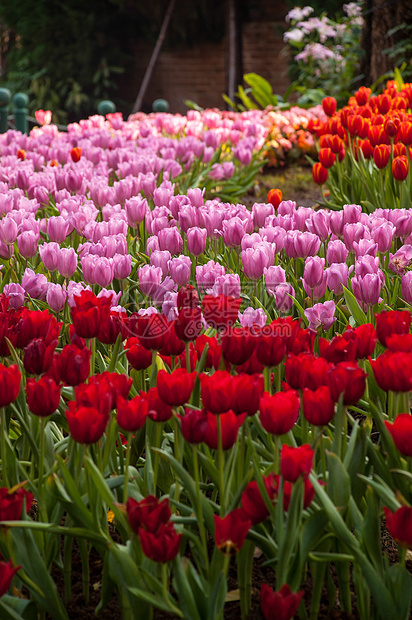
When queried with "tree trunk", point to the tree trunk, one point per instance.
{"points": [[234, 48], [380, 17]]}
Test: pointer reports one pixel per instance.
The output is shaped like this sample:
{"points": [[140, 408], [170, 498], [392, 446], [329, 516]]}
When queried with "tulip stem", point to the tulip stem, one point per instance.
{"points": [[126, 469], [402, 555], [391, 405], [220, 459], [276, 454], [268, 379], [153, 376], [199, 504], [93, 356], [187, 349], [158, 443], [41, 463], [4, 430]]}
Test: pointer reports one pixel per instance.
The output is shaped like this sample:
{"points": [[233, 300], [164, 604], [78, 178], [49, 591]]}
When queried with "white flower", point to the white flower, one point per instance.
{"points": [[294, 35], [353, 9], [299, 13]]}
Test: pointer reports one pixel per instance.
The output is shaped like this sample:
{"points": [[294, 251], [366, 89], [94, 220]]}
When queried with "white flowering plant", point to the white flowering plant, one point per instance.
{"points": [[324, 52]]}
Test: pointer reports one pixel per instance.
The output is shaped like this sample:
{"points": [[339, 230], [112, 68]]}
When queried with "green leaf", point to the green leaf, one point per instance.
{"points": [[20, 608], [190, 488], [354, 308], [187, 601], [35, 574], [247, 101], [261, 89], [371, 530], [218, 596], [338, 481], [324, 556], [105, 492], [399, 581]]}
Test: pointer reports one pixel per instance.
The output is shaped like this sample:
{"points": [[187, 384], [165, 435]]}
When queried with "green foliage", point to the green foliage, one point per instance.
{"points": [[65, 56], [259, 95], [325, 52]]}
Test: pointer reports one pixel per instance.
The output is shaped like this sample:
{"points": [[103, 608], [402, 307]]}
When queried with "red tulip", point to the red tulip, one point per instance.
{"points": [[38, 356], [295, 462], [188, 324], [173, 345], [306, 370], [152, 330], [216, 391], [214, 352], [113, 383], [399, 525], [339, 349], [150, 513], [111, 328], [308, 493], [326, 157], [400, 342], [11, 503], [231, 531], [96, 394], [252, 366], [400, 168], [230, 424], [7, 572], [275, 197], [86, 424], [176, 388], [362, 95], [279, 413], [279, 605], [393, 371], [158, 411], [238, 344], [187, 297], [365, 339], [9, 384], [348, 378], [401, 431], [76, 154], [329, 105], [222, 311], [318, 406], [381, 154], [392, 125], [271, 346], [252, 501], [161, 546], [392, 322], [247, 391], [319, 173], [132, 414], [366, 148], [43, 396], [405, 132], [137, 355], [72, 365], [36, 324], [193, 425], [89, 313]]}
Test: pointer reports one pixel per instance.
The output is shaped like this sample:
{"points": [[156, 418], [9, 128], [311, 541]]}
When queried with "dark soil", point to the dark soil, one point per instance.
{"points": [[296, 183], [76, 607]]}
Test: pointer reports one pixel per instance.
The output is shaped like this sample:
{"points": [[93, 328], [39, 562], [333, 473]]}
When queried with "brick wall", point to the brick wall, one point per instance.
{"points": [[199, 73]]}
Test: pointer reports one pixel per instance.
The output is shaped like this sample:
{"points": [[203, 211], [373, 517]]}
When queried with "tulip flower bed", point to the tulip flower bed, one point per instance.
{"points": [[186, 384], [364, 149]]}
